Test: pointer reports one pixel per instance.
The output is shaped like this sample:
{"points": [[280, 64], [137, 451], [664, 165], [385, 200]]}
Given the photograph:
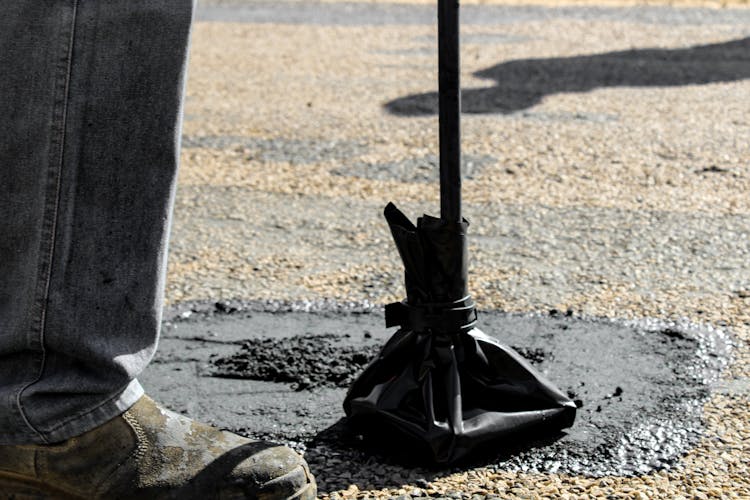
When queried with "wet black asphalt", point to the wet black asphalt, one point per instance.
{"points": [[641, 384]]}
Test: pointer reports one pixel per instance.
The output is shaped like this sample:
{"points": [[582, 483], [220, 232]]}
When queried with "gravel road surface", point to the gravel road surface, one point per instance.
{"points": [[612, 190]]}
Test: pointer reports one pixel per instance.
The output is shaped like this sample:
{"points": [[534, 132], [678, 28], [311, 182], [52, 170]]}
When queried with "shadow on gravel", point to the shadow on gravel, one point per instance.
{"points": [[389, 468], [524, 83]]}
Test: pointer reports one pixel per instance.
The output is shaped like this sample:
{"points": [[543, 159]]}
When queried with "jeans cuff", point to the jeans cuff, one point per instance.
{"points": [[106, 411]]}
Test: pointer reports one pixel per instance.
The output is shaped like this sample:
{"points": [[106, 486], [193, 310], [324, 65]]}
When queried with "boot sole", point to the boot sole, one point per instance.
{"points": [[14, 487], [309, 492], [279, 488]]}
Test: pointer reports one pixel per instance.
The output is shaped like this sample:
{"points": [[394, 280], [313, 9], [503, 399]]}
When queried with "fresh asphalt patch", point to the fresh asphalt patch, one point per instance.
{"points": [[280, 371]]}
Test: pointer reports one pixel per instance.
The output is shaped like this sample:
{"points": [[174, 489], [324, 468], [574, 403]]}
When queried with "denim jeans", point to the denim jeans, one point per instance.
{"points": [[90, 116]]}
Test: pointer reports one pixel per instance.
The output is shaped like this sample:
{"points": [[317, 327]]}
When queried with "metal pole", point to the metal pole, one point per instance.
{"points": [[450, 111]]}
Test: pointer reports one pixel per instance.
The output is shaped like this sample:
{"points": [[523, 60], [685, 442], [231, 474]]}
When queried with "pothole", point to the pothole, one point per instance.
{"points": [[641, 383]]}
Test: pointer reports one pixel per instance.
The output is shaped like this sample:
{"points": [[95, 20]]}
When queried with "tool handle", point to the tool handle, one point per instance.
{"points": [[450, 110]]}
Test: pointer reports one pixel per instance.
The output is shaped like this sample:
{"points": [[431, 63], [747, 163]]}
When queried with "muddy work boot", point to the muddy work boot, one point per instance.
{"points": [[152, 453]]}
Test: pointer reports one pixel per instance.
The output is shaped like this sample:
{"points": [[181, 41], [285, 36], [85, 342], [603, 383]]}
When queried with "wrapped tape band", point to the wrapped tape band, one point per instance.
{"points": [[450, 317]]}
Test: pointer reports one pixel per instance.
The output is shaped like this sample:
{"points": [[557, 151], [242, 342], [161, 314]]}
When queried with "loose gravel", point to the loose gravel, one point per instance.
{"points": [[614, 202], [406, 13], [279, 150], [422, 170], [306, 362]]}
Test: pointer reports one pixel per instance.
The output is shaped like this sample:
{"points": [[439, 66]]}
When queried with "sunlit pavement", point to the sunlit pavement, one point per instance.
{"points": [[607, 172]]}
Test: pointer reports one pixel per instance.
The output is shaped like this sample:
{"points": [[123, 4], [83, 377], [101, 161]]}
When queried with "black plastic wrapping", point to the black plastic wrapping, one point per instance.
{"points": [[440, 384]]}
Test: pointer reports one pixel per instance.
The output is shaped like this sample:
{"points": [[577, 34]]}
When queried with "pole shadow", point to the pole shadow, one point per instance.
{"points": [[523, 83]]}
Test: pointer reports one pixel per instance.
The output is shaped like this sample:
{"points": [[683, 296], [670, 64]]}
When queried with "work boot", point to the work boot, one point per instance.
{"points": [[152, 453]]}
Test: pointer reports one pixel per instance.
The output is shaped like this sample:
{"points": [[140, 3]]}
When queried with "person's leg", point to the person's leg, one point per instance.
{"points": [[89, 133], [89, 122]]}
